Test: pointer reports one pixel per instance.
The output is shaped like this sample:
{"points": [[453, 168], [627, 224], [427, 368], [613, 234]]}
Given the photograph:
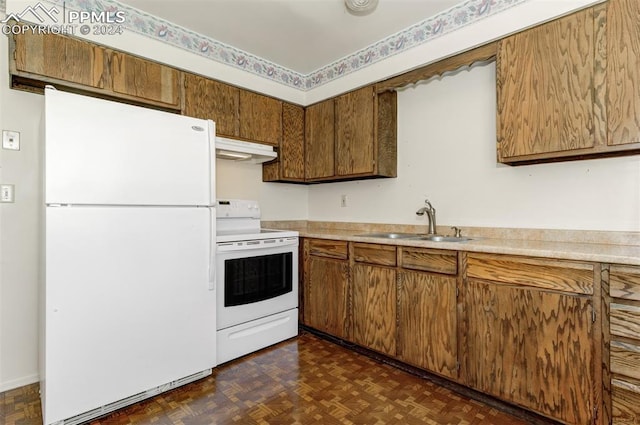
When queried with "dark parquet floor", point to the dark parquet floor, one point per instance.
{"points": [[304, 381]]}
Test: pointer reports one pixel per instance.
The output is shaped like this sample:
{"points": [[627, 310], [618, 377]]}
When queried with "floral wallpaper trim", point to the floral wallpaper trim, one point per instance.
{"points": [[459, 16], [450, 20]]}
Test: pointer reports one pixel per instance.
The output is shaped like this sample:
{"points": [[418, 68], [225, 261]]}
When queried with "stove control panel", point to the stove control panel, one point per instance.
{"points": [[237, 208]]}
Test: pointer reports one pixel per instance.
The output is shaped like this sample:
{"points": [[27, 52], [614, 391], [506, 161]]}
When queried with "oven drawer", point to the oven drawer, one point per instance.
{"points": [[246, 338]]}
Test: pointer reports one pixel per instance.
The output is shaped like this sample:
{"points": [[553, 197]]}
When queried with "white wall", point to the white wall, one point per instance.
{"points": [[19, 223], [278, 201], [447, 152]]}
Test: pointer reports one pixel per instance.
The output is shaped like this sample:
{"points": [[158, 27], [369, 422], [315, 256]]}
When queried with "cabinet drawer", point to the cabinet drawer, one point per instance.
{"points": [[328, 248], [430, 260], [384, 255], [558, 275], [625, 359], [625, 398], [624, 282], [624, 320]]}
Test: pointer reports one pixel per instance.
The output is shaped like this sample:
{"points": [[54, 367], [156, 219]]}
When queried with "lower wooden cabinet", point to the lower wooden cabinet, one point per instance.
{"points": [[522, 329], [427, 322], [374, 307], [623, 333], [532, 343], [325, 287], [531, 347]]}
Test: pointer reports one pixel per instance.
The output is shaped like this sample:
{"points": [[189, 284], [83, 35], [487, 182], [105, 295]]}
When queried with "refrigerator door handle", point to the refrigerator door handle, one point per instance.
{"points": [[212, 249]]}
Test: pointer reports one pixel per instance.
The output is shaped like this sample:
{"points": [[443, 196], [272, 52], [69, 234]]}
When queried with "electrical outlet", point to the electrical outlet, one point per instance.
{"points": [[343, 201], [7, 193], [10, 140]]}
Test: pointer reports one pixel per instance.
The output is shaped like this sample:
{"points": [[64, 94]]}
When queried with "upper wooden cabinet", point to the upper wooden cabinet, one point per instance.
{"points": [[320, 141], [40, 59], [239, 114], [365, 134], [210, 99], [144, 79], [49, 56], [260, 118], [289, 166], [571, 88], [355, 132], [546, 89], [623, 72], [351, 136]]}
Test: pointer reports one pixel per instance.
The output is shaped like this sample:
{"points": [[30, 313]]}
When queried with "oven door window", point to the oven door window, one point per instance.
{"points": [[251, 279]]}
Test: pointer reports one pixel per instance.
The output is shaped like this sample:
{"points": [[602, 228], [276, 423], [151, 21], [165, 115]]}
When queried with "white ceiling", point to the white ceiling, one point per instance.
{"points": [[301, 35]]}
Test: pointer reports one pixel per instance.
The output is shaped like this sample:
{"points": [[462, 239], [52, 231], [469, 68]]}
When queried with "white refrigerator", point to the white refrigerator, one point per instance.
{"points": [[129, 293]]}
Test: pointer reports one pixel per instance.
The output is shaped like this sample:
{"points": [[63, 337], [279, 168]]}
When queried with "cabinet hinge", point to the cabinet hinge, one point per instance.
{"points": [[594, 419], [593, 315], [457, 292], [458, 366]]}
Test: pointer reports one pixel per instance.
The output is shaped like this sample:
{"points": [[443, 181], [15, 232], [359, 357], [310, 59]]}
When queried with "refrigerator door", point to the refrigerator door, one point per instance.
{"points": [[128, 303], [100, 152]]}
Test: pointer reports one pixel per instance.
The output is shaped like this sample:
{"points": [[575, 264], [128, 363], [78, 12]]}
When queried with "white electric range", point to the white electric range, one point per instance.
{"points": [[256, 280]]}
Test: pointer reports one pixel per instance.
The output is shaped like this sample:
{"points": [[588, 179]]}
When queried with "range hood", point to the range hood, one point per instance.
{"points": [[238, 150]]}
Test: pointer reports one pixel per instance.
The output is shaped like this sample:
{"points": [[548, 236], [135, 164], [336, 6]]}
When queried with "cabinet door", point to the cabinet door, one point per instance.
{"points": [[60, 58], [260, 118], [209, 99], [545, 86], [146, 80], [319, 140], [291, 155], [623, 71], [374, 308], [326, 297], [427, 322], [532, 347], [355, 147]]}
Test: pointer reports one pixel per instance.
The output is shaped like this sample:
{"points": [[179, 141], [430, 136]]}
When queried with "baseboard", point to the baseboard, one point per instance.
{"points": [[20, 382]]}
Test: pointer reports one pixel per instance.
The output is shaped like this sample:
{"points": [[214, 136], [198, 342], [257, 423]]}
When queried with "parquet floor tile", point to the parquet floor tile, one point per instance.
{"points": [[303, 381]]}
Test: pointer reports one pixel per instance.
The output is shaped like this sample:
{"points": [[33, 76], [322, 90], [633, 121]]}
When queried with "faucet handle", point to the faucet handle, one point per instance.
{"points": [[457, 232]]}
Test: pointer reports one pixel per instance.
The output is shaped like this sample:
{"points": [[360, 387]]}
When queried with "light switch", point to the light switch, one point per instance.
{"points": [[7, 193], [10, 140]]}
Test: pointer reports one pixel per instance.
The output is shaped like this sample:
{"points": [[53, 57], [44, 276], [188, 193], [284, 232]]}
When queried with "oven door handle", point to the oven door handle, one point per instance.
{"points": [[212, 249]]}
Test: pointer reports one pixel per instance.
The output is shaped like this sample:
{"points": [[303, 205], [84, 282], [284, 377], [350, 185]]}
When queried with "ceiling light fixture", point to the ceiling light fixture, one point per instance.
{"points": [[360, 7]]}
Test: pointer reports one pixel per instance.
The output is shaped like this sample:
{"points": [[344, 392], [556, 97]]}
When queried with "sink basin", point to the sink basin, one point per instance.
{"points": [[440, 238], [390, 235]]}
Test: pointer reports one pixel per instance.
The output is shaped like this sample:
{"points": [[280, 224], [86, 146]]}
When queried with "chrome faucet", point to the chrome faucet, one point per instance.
{"points": [[431, 214]]}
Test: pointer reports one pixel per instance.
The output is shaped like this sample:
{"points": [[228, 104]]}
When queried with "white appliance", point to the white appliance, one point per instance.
{"points": [[129, 294], [239, 150], [257, 278]]}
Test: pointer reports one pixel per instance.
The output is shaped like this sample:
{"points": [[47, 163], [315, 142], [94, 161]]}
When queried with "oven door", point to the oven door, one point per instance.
{"points": [[255, 279]]}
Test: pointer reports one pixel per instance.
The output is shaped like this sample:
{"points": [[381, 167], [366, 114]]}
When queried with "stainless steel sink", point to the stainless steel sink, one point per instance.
{"points": [[415, 236], [390, 235], [440, 238]]}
